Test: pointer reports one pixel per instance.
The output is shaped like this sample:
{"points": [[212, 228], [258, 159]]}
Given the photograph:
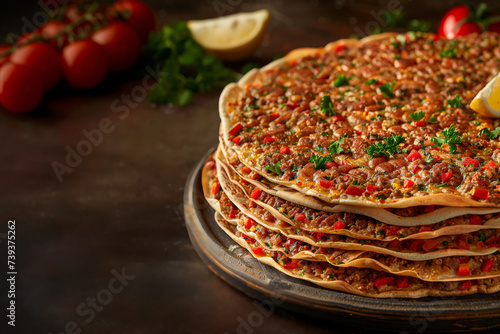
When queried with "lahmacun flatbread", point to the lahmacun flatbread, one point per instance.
{"points": [[380, 122]]}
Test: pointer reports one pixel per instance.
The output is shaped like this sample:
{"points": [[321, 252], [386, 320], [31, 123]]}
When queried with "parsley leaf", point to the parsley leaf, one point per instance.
{"points": [[326, 106], [341, 80], [451, 137], [417, 116], [456, 102], [388, 147], [387, 89], [432, 120], [275, 168], [335, 148], [450, 53], [320, 161], [371, 81], [185, 67], [490, 134]]}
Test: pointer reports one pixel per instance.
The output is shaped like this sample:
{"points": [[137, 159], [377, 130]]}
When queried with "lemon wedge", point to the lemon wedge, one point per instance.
{"points": [[487, 101], [232, 37]]}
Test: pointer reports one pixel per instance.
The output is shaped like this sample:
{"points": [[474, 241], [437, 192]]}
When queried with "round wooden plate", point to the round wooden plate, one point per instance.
{"points": [[237, 267]]}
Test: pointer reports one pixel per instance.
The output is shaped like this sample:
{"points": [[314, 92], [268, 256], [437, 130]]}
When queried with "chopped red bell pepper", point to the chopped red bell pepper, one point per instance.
{"points": [[245, 170], [480, 193], [469, 161], [370, 189], [258, 250], [268, 140], [475, 220], [232, 213], [291, 105], [463, 270], [429, 208], [416, 245], [249, 223], [340, 48], [291, 265], [414, 155], [325, 183], [338, 118], [490, 164], [244, 182], [382, 281], [425, 229], [445, 176], [465, 285], [354, 191], [338, 225], [420, 123], [237, 128], [415, 169], [330, 164], [391, 230], [486, 267], [284, 149], [275, 114], [318, 235], [430, 245], [408, 184], [215, 188], [402, 282], [255, 193], [237, 140], [300, 217]]}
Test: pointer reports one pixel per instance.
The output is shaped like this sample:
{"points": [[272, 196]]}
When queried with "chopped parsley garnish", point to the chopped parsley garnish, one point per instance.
{"points": [[335, 148], [456, 102], [330, 276], [268, 245], [275, 168], [382, 196], [387, 89], [381, 232], [371, 82], [319, 149], [422, 187], [490, 134], [396, 57], [295, 168], [325, 134], [451, 137], [326, 106], [417, 116], [341, 80], [442, 185], [339, 263], [388, 147], [432, 120], [320, 161], [449, 52]]}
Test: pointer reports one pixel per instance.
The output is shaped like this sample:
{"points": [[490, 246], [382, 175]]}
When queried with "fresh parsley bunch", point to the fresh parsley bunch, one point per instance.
{"points": [[185, 66]]}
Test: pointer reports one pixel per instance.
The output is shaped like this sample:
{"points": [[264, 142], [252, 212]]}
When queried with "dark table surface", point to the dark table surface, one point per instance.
{"points": [[119, 212]]}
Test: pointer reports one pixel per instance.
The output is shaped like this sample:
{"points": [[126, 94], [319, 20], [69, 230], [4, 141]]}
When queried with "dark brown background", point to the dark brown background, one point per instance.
{"points": [[122, 206]]}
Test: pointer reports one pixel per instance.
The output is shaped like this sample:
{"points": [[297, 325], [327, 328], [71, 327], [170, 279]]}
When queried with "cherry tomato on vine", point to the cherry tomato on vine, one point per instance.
{"points": [[44, 60], [51, 29], [3, 59], [139, 16], [85, 63], [463, 20], [121, 43], [20, 90]]}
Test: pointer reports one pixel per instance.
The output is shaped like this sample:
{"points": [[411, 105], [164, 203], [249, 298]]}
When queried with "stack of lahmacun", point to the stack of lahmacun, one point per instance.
{"points": [[361, 168]]}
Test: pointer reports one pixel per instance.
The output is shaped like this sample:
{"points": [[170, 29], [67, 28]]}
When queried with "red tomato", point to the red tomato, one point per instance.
{"points": [[45, 61], [462, 20], [3, 49], [24, 38], [139, 16], [20, 90], [85, 64], [51, 29], [121, 43]]}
